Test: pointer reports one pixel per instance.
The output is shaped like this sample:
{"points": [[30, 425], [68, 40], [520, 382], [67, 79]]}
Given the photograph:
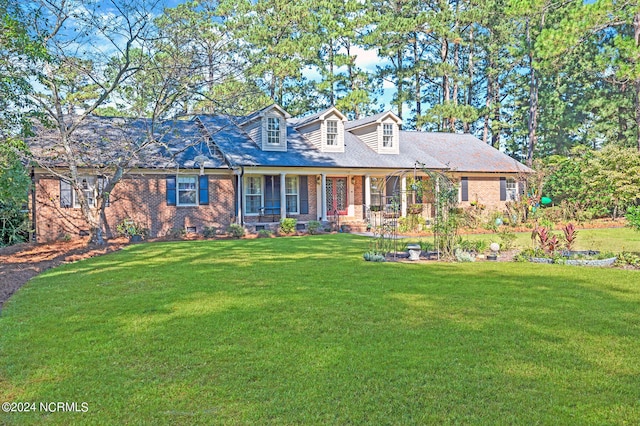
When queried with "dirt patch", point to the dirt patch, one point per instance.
{"points": [[21, 262]]}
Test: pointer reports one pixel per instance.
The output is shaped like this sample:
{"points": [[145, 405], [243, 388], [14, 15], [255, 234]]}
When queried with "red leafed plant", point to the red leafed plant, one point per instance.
{"points": [[548, 242], [570, 234]]}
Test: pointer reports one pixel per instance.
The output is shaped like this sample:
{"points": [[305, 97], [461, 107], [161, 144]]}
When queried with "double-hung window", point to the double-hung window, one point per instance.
{"points": [[187, 190], [387, 135], [377, 192], [273, 130], [253, 194], [512, 189], [332, 132], [291, 189], [91, 187]]}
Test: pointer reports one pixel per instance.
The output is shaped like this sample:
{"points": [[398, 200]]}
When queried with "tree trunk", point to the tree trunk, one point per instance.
{"points": [[454, 96], [444, 53], [332, 97], [485, 133], [497, 130], [636, 33], [467, 127], [418, 82], [637, 102], [533, 100], [400, 82]]}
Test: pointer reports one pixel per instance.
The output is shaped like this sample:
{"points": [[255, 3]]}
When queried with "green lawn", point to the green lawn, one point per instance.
{"points": [[303, 331], [613, 240]]}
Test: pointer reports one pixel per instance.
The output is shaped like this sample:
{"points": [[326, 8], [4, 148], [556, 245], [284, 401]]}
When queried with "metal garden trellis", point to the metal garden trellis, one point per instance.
{"points": [[385, 223]]}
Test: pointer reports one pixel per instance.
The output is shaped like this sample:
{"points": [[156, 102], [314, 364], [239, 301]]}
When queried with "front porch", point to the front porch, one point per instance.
{"points": [[354, 202]]}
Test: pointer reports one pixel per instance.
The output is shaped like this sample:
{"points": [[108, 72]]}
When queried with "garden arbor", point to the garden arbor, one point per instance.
{"points": [[428, 198]]}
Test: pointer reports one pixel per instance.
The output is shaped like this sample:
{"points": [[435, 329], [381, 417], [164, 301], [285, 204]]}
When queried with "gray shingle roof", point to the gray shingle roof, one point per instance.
{"points": [[462, 152], [241, 151], [179, 142], [364, 121], [100, 141]]}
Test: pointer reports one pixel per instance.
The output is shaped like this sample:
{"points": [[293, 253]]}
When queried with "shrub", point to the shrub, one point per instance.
{"points": [[426, 245], [627, 258], [288, 225], [265, 233], [464, 256], [235, 230], [372, 256], [507, 238], [176, 233], [633, 217], [210, 231], [129, 228], [314, 227], [411, 223]]}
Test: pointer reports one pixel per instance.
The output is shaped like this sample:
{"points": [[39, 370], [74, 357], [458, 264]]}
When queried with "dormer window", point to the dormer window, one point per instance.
{"points": [[387, 135], [273, 130], [332, 133], [380, 132]]}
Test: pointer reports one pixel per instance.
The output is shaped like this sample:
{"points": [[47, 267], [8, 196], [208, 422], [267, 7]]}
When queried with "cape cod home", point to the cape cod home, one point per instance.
{"points": [[211, 171]]}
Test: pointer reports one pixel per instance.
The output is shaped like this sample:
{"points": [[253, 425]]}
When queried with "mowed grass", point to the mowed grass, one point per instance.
{"points": [[303, 331], [613, 240]]}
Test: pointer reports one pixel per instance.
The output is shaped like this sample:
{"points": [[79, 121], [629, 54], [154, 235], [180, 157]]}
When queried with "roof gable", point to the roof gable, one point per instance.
{"points": [[262, 112], [377, 119], [320, 116]]}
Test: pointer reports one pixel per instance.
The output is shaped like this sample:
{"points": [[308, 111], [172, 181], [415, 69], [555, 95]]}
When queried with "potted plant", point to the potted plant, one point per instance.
{"points": [[134, 231]]}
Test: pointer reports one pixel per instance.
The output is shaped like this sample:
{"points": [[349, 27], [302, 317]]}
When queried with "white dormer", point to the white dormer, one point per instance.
{"points": [[381, 132], [325, 130], [268, 128]]}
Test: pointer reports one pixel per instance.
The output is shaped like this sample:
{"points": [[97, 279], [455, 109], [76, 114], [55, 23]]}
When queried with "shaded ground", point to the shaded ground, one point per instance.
{"points": [[21, 262]]}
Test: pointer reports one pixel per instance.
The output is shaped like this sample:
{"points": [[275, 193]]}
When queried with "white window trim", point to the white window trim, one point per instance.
{"points": [[511, 187], [247, 194], [95, 184], [380, 193], [273, 133], [296, 192], [197, 190], [387, 137], [330, 123]]}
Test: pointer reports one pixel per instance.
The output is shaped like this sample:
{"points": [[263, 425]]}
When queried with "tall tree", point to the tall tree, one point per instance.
{"points": [[78, 79], [18, 52], [275, 37]]}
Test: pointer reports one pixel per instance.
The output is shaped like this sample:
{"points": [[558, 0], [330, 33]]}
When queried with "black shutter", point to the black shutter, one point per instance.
{"points": [[304, 195], [392, 186], [203, 189], [503, 189], [66, 195], [236, 194], [171, 190], [464, 189]]}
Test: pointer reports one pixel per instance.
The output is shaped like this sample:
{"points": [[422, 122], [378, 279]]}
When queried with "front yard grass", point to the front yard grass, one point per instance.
{"points": [[613, 240], [302, 330]]}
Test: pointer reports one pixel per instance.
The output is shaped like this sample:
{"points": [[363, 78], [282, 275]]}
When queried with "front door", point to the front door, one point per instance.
{"points": [[272, 195], [336, 196]]}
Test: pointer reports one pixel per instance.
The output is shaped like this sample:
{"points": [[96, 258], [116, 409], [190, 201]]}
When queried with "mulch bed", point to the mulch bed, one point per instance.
{"points": [[21, 262]]}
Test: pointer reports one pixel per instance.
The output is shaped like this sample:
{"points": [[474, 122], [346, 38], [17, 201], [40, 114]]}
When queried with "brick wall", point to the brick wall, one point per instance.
{"points": [[138, 197]]}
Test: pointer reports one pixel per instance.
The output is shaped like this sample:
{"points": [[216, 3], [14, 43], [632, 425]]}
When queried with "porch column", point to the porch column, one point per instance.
{"points": [[367, 191], [283, 196], [403, 189], [239, 219], [323, 196]]}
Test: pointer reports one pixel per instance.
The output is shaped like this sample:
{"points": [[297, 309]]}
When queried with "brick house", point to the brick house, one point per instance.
{"points": [[211, 171]]}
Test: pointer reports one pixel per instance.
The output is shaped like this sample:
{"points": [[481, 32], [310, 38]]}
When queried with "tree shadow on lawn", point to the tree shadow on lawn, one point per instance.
{"points": [[449, 340]]}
